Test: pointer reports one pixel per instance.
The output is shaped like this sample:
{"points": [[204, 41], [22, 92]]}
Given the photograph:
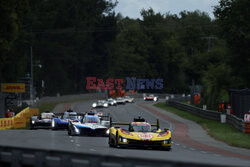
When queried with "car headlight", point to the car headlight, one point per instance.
{"points": [[76, 129], [107, 132], [114, 101], [123, 140], [105, 105], [53, 123], [167, 141], [33, 122], [144, 98], [94, 105]]}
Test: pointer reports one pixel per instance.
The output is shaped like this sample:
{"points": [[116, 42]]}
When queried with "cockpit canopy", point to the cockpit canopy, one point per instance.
{"points": [[140, 127], [47, 115], [91, 119], [70, 115]]}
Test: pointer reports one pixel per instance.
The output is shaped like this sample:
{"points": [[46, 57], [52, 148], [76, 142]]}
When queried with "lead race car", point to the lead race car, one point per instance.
{"points": [[62, 122], [129, 99], [150, 97], [91, 125], [41, 121], [139, 134], [100, 103], [120, 100], [111, 102]]}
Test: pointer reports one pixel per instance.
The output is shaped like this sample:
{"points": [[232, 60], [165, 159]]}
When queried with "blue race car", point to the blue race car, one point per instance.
{"points": [[62, 122], [91, 125]]}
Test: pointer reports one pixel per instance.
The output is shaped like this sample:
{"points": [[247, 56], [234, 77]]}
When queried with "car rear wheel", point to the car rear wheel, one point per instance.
{"points": [[69, 132], [31, 127]]}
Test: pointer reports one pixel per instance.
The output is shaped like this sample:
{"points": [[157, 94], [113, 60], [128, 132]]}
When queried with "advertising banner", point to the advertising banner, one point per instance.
{"points": [[13, 87], [19, 122], [6, 123]]}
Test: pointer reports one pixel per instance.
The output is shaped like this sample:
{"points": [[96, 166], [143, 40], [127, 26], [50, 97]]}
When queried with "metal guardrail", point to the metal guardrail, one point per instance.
{"points": [[160, 95], [18, 157], [208, 114]]}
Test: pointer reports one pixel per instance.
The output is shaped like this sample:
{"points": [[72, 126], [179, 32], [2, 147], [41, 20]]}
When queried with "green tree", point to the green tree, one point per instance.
{"points": [[215, 81], [11, 20], [233, 19]]}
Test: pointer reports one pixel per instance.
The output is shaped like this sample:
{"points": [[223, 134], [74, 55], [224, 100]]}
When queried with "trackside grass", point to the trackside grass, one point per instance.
{"points": [[46, 107], [49, 106], [219, 131]]}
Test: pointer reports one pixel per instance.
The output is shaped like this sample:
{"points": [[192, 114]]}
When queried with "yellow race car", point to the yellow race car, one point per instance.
{"points": [[139, 134]]}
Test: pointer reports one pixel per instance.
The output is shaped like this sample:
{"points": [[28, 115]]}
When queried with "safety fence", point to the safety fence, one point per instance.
{"points": [[18, 121], [212, 115], [159, 95], [17, 157]]}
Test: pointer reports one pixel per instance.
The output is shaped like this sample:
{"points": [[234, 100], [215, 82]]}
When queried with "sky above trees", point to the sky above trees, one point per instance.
{"points": [[132, 8]]}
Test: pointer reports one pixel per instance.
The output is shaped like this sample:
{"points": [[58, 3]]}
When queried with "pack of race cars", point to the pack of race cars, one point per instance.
{"points": [[138, 133]]}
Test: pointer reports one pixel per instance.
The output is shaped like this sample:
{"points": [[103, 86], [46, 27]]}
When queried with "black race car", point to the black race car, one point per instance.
{"points": [[41, 121]]}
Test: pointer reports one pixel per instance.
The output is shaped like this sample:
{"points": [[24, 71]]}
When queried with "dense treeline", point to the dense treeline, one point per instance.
{"points": [[74, 39]]}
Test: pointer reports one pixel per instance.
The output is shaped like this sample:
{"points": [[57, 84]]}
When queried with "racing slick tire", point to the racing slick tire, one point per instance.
{"points": [[116, 145], [53, 128], [110, 142], [167, 148], [69, 132], [32, 128]]}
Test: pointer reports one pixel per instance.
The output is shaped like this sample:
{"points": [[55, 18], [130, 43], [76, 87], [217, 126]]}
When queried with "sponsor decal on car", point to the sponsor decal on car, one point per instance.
{"points": [[145, 136]]}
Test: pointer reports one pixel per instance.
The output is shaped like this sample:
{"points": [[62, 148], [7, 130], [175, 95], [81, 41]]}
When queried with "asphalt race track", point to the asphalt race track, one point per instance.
{"points": [[59, 140]]}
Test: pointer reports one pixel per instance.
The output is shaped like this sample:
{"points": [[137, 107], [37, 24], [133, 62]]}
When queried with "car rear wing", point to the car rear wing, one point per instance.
{"points": [[157, 124], [116, 123], [104, 116], [58, 114], [81, 114]]}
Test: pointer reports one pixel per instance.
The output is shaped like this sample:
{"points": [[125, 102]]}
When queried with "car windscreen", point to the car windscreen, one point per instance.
{"points": [[46, 115], [91, 120], [69, 116], [141, 128]]}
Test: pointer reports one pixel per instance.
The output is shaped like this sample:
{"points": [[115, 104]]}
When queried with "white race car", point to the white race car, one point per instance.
{"points": [[100, 103], [112, 102], [129, 99], [91, 125], [120, 100]]}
